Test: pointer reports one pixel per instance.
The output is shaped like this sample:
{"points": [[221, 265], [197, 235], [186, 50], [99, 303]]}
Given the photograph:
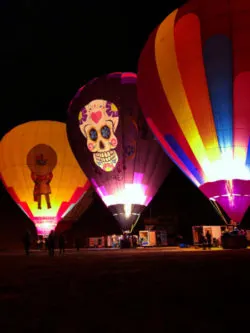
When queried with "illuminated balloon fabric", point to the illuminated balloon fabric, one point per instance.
{"points": [[115, 147], [41, 173], [76, 212], [194, 89]]}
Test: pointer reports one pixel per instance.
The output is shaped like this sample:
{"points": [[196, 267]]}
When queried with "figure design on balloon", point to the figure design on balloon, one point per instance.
{"points": [[98, 122], [41, 160]]}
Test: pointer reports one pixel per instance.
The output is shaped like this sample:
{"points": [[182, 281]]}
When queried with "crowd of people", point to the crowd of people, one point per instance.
{"points": [[207, 241], [49, 243], [125, 241]]}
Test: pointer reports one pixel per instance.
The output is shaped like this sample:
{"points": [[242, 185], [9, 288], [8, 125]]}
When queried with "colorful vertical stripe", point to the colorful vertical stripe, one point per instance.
{"points": [[193, 86], [217, 55]]}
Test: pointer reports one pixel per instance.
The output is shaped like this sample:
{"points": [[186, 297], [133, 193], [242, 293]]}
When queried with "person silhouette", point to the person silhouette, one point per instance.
{"points": [[51, 243], [209, 239], [27, 242], [61, 244]]}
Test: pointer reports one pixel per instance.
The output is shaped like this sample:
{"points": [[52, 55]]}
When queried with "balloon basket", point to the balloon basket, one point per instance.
{"points": [[234, 242]]}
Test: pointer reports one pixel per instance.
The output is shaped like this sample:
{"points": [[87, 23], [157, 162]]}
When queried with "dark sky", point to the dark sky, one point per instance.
{"points": [[51, 48]]}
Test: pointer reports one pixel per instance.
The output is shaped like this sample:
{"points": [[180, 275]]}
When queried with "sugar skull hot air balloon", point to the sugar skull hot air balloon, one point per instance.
{"points": [[193, 87], [41, 173], [114, 146]]}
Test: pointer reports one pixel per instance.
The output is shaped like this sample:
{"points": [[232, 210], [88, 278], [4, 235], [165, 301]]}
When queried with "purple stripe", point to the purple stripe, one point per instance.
{"points": [[112, 75], [128, 78]]}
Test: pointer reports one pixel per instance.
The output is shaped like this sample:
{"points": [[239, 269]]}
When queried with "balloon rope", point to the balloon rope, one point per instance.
{"points": [[134, 224], [218, 211]]}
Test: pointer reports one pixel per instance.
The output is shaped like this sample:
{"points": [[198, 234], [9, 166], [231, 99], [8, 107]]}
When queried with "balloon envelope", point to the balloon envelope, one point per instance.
{"points": [[76, 212], [114, 146], [193, 87], [41, 173]]}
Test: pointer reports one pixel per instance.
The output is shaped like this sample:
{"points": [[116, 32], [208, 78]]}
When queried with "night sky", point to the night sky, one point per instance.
{"points": [[51, 48]]}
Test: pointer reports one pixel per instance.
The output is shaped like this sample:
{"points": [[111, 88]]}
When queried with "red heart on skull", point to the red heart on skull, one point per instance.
{"points": [[96, 116]]}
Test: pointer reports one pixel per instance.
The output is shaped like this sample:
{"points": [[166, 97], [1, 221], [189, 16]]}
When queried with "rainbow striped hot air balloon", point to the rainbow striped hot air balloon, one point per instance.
{"points": [[194, 89]]}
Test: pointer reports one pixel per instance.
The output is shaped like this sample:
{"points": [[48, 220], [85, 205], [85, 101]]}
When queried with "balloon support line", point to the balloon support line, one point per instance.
{"points": [[134, 224], [216, 207]]}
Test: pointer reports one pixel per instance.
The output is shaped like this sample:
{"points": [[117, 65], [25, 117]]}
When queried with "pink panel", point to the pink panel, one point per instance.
{"points": [[75, 197], [236, 202]]}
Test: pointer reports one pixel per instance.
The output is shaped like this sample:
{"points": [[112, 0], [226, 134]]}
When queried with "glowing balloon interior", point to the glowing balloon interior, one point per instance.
{"points": [[193, 87], [40, 172], [114, 146]]}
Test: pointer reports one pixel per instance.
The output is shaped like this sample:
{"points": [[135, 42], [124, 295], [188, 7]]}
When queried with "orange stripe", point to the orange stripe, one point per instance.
{"points": [[169, 74], [190, 62]]}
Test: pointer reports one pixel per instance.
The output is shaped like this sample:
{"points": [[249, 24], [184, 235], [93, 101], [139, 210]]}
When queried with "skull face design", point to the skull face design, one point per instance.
{"points": [[98, 122]]}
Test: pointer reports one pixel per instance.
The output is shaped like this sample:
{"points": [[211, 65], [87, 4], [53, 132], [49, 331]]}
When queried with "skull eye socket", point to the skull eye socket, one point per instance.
{"points": [[105, 131], [93, 134]]}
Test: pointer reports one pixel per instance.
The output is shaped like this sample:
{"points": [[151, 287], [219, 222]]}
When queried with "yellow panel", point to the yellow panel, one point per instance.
{"points": [[171, 81]]}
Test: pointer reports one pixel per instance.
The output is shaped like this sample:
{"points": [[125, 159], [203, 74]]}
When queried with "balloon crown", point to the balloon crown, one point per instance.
{"points": [[40, 160], [95, 106]]}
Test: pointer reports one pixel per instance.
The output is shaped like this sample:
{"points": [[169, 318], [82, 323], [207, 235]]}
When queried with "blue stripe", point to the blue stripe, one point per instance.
{"points": [[217, 55], [248, 155], [183, 157]]}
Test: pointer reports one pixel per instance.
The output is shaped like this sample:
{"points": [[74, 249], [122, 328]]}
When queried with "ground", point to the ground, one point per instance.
{"points": [[142, 290]]}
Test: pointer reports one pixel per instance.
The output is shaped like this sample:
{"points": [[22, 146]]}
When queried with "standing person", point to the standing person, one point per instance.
{"points": [[46, 244], [77, 244], [39, 243], [51, 243], [203, 241], [134, 241], [158, 238], [209, 239], [27, 242], [61, 244]]}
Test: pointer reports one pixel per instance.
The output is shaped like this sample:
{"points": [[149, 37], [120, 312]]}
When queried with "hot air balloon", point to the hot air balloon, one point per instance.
{"points": [[193, 87], [114, 146], [41, 173]]}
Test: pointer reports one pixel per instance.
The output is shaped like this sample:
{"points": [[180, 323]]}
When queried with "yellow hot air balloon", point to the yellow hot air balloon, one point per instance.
{"points": [[41, 173]]}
